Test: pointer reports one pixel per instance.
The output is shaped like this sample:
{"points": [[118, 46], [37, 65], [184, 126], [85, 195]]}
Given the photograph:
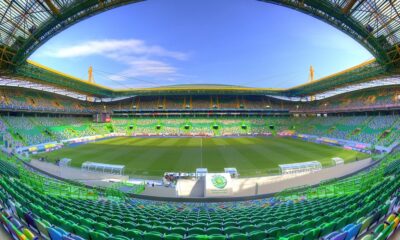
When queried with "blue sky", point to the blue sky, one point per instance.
{"points": [[235, 42]]}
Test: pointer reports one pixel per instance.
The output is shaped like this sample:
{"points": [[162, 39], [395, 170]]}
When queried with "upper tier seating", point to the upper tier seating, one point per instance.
{"points": [[29, 130], [20, 99]]}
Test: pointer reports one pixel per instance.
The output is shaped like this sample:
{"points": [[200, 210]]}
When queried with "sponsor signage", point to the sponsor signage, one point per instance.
{"points": [[218, 185]]}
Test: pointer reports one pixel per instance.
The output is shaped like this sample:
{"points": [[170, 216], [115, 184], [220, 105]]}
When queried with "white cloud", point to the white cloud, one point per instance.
{"points": [[140, 58], [144, 67], [114, 47]]}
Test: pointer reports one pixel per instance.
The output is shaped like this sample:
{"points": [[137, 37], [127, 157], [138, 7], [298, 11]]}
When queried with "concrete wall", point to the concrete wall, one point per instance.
{"points": [[272, 184]]}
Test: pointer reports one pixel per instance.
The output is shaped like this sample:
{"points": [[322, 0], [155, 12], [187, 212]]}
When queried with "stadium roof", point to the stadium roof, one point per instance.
{"points": [[27, 24]]}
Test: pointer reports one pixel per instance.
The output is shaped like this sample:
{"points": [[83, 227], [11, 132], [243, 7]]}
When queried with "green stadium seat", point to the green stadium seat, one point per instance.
{"points": [[173, 236], [213, 230], [368, 237], [366, 223], [385, 232], [293, 228], [215, 224], [273, 232], [249, 228], [133, 233], [114, 222], [184, 225], [341, 223], [379, 229], [238, 236], [216, 237], [161, 229], [326, 228], [144, 227], [152, 235], [311, 233], [67, 225], [245, 222], [292, 236], [42, 226], [86, 222], [116, 230], [196, 231], [82, 231], [100, 226], [118, 238], [168, 224], [178, 230], [257, 235], [230, 224], [201, 225], [195, 237], [352, 217], [99, 235], [231, 230]]}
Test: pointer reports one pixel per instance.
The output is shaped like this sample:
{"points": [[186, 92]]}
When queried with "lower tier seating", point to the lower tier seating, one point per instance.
{"points": [[28, 213]]}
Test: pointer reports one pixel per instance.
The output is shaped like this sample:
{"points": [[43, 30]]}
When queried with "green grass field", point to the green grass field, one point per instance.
{"points": [[252, 156]]}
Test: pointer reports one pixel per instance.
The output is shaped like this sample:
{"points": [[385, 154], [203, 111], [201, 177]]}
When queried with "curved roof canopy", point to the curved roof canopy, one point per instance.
{"points": [[27, 24]]}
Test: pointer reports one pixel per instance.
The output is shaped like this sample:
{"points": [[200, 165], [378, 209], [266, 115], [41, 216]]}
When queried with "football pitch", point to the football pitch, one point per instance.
{"points": [[252, 156]]}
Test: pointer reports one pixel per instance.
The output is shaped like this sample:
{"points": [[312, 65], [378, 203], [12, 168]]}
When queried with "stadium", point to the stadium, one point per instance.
{"points": [[84, 160]]}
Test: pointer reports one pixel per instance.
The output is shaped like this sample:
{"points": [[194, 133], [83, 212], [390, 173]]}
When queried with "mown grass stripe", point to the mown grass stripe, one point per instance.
{"points": [[252, 156]]}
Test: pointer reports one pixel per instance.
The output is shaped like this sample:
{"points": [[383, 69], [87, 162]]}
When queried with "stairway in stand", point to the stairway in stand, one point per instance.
{"points": [[4, 235], [395, 236]]}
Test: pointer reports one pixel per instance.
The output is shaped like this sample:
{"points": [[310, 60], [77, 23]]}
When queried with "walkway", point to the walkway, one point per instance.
{"points": [[243, 187], [3, 234], [190, 188], [71, 173], [396, 236]]}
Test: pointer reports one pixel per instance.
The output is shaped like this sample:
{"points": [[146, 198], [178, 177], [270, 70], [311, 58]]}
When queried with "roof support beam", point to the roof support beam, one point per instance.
{"points": [[22, 11], [325, 10], [382, 27], [52, 7], [348, 6], [356, 7]]}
